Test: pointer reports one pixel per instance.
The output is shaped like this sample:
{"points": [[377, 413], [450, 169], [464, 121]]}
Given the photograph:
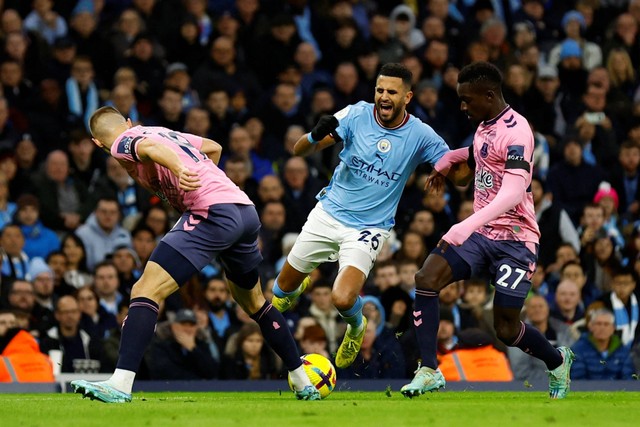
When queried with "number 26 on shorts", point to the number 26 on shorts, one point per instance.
{"points": [[368, 237]]}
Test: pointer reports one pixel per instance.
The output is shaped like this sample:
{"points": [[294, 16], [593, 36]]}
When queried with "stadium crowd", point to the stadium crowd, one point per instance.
{"points": [[254, 76]]}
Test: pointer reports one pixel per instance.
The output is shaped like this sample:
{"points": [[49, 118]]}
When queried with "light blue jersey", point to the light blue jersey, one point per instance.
{"points": [[375, 164]]}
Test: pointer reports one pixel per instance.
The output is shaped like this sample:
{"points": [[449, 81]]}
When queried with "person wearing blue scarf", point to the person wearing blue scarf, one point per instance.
{"points": [[81, 90]]}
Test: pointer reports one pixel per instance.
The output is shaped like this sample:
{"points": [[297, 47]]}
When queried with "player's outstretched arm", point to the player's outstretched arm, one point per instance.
{"points": [[211, 149], [511, 193], [149, 149]]}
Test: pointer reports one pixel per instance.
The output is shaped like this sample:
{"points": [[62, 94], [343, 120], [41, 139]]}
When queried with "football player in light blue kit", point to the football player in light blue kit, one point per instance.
{"points": [[383, 145]]}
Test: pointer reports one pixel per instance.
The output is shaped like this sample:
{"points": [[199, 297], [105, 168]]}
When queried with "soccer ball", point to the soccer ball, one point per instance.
{"points": [[320, 371]]}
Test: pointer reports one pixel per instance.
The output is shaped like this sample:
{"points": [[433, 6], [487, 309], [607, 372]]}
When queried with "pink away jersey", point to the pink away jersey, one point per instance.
{"points": [[215, 188], [505, 145]]}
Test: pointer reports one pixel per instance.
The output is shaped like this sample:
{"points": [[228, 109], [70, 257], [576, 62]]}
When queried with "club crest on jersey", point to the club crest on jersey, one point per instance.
{"points": [[384, 145], [484, 151], [484, 180]]}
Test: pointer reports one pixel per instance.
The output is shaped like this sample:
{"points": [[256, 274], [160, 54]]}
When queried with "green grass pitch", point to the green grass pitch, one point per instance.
{"points": [[342, 408]]}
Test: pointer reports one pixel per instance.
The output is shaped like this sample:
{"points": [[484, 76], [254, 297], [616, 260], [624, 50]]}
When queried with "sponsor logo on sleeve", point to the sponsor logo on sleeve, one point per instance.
{"points": [[515, 152], [124, 146]]}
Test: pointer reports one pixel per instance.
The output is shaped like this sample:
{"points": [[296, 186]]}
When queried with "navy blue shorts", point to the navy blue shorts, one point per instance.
{"points": [[228, 233], [509, 264]]}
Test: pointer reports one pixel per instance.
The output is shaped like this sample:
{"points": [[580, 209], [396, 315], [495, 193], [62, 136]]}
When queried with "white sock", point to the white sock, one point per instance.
{"points": [[122, 380], [299, 378]]}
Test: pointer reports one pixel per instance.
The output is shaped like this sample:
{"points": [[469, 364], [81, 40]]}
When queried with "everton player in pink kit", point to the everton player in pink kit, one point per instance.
{"points": [[218, 221], [499, 240]]}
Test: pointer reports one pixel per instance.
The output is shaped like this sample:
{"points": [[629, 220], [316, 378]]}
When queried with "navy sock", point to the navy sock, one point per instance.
{"points": [[532, 342], [276, 333], [137, 330], [426, 319]]}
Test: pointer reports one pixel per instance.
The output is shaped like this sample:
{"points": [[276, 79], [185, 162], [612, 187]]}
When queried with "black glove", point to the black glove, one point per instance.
{"points": [[324, 127]]}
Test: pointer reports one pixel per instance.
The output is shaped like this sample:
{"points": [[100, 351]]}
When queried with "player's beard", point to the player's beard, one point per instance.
{"points": [[394, 114]]}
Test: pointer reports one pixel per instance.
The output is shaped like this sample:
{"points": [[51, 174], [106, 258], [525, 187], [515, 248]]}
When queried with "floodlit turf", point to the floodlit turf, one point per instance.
{"points": [[342, 408]]}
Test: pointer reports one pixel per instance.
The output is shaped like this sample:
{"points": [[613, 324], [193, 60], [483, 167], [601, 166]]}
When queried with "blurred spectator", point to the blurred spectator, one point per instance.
{"points": [[274, 225], [625, 179], [623, 303], [95, 320], [412, 248], [90, 42], [148, 67], [573, 271], [554, 223], [574, 26], [123, 99], [247, 358], [198, 122], [239, 172], [9, 137], [280, 111], [80, 353], [185, 46], [475, 359], [157, 219], [57, 262], [300, 189], [567, 307], [86, 164], [22, 360], [177, 75], [169, 113], [222, 118], [132, 198], [143, 242], [45, 21], [76, 274], [102, 232], [125, 30], [242, 146], [7, 208], [270, 189], [402, 26], [325, 313], [222, 320], [81, 91], [607, 198], [106, 285], [17, 89], [277, 47], [624, 82], [127, 262], [42, 279], [573, 182], [600, 354], [625, 35], [39, 240], [314, 340], [15, 262], [222, 69], [541, 105], [179, 353], [64, 201]]}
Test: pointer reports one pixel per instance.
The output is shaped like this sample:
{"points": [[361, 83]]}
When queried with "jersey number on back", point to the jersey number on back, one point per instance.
{"points": [[184, 145], [507, 274], [364, 237]]}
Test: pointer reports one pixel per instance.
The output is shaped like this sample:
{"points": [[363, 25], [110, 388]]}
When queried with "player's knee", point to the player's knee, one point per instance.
{"points": [[506, 332], [244, 280], [425, 280], [342, 301]]}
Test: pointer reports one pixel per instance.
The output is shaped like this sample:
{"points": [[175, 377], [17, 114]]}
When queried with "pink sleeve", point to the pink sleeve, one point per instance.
{"points": [[451, 158], [511, 193]]}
